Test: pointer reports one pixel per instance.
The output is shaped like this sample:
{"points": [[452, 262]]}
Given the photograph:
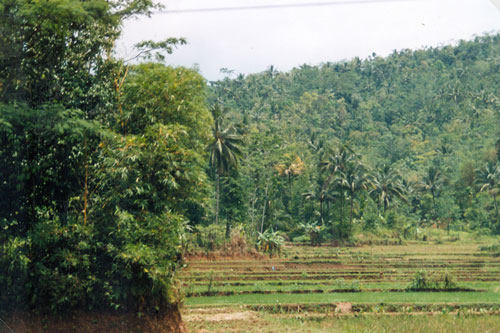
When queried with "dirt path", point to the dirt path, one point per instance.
{"points": [[218, 315]]}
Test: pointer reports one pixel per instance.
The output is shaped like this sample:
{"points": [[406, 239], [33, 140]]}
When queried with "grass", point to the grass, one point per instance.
{"points": [[380, 323], [325, 286], [364, 297]]}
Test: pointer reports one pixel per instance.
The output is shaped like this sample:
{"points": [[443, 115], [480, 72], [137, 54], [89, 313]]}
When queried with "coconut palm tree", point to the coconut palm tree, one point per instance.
{"points": [[488, 179], [433, 182], [324, 197], [354, 179], [388, 186], [225, 150], [335, 161], [332, 164]]}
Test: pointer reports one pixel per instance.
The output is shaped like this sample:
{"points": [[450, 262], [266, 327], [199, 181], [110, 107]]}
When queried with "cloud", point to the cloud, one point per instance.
{"points": [[252, 40], [496, 3]]}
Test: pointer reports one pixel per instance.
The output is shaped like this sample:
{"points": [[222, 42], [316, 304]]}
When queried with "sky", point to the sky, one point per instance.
{"points": [[250, 40]]}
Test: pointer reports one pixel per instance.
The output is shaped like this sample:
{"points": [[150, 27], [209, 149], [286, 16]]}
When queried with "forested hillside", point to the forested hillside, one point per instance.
{"points": [[391, 144]]}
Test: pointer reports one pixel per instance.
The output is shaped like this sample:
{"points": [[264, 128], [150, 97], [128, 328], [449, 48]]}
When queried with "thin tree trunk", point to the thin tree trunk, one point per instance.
{"points": [[342, 211], [350, 223], [321, 212], [252, 216], [264, 210], [434, 205], [228, 226], [32, 184], [86, 194], [327, 212], [496, 205], [86, 185], [217, 200], [118, 86]]}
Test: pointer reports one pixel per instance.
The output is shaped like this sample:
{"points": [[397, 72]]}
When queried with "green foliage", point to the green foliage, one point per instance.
{"points": [[43, 155], [270, 241], [314, 231], [494, 249], [208, 238], [102, 165], [14, 265], [225, 151], [388, 186], [423, 281], [147, 47], [52, 51], [417, 124]]}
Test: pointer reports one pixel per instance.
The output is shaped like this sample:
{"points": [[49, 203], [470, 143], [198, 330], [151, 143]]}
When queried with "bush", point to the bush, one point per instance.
{"points": [[209, 238], [423, 281], [126, 265], [270, 242], [212, 239], [314, 232], [494, 249], [13, 272]]}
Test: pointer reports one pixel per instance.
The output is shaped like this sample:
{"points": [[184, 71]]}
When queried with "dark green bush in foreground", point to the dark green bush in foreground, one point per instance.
{"points": [[60, 267], [101, 162]]}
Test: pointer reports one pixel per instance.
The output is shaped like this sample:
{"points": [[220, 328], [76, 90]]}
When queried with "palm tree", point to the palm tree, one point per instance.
{"points": [[488, 178], [353, 179], [334, 162], [388, 186], [295, 169], [323, 197], [225, 150], [433, 181]]}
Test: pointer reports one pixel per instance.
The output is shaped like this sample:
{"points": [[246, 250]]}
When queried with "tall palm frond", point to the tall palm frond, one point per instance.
{"points": [[488, 179], [388, 186]]}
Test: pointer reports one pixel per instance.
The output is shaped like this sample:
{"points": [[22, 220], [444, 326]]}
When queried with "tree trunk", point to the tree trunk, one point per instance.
{"points": [[342, 210], [252, 212], [321, 212], [217, 199], [496, 205], [86, 185], [350, 222], [434, 205], [327, 212], [228, 227], [264, 210]]}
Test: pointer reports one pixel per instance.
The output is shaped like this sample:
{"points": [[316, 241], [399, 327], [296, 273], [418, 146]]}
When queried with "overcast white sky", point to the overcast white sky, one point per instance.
{"points": [[249, 41]]}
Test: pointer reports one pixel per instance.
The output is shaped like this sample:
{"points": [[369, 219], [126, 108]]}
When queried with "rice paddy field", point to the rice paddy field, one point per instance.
{"points": [[346, 289]]}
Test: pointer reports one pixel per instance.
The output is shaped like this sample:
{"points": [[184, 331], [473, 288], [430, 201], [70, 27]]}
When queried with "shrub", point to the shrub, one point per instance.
{"points": [[314, 231], [270, 242], [423, 281], [128, 264], [494, 249]]}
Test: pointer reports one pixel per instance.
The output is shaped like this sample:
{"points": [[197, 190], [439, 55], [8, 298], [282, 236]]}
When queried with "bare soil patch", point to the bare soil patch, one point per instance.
{"points": [[344, 308], [224, 255], [218, 315]]}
